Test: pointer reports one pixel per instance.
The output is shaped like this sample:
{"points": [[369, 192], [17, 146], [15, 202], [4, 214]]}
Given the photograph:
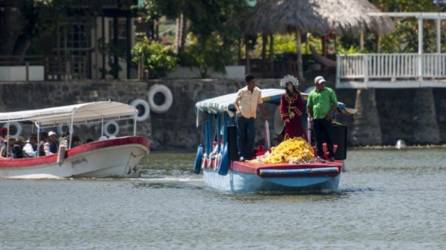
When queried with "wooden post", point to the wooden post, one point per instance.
{"points": [[438, 23], [271, 53], [300, 73], [361, 41], [264, 42], [27, 70], [247, 62]]}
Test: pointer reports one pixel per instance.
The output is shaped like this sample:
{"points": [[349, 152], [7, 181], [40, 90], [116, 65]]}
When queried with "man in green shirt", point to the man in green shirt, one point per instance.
{"points": [[321, 104]]}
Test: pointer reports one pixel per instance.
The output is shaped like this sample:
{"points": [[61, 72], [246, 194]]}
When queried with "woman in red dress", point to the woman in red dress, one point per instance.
{"points": [[291, 109]]}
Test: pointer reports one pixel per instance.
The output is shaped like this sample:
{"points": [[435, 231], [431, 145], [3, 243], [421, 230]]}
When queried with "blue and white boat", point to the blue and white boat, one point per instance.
{"points": [[217, 157]]}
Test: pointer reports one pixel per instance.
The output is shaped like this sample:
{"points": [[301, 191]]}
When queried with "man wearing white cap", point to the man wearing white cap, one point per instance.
{"points": [[321, 104], [53, 143]]}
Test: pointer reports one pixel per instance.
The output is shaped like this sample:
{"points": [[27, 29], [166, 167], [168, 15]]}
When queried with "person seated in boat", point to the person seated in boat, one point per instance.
{"points": [[291, 109], [246, 103], [52, 145], [43, 143], [30, 148], [17, 149], [3, 143], [6, 150], [321, 104]]}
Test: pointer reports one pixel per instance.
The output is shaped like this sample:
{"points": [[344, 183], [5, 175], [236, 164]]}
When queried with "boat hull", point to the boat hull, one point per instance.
{"points": [[111, 158], [287, 179]]}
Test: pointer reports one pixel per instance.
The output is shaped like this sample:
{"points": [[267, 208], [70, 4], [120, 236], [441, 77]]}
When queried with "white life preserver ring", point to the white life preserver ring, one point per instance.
{"points": [[111, 129], [143, 109], [17, 131], [167, 98], [62, 128]]}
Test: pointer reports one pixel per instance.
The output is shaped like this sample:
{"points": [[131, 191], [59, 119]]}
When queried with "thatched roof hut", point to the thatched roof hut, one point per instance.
{"points": [[315, 16]]}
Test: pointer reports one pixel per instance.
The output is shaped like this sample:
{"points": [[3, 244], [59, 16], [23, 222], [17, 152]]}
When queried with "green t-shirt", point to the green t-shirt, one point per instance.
{"points": [[321, 102]]}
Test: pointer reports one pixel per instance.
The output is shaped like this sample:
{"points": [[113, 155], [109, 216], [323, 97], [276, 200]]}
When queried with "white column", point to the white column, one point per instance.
{"points": [[420, 35], [420, 48], [438, 22]]}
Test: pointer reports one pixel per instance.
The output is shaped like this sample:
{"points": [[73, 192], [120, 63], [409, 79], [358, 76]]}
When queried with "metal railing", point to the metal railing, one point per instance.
{"points": [[391, 67]]}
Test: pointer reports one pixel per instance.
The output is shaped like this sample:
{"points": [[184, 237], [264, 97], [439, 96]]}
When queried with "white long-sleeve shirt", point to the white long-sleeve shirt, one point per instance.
{"points": [[28, 150]]}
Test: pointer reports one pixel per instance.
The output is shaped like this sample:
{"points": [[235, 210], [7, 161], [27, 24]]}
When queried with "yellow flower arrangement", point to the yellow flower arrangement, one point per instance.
{"points": [[293, 150]]}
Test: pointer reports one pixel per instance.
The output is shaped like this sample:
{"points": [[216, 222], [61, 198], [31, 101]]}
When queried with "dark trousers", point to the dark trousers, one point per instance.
{"points": [[324, 133], [246, 135]]}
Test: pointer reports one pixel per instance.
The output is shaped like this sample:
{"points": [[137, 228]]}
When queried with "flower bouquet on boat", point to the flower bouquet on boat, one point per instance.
{"points": [[293, 165]]}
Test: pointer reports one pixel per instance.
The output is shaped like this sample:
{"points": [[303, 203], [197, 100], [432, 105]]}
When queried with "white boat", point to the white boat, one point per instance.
{"points": [[112, 157]]}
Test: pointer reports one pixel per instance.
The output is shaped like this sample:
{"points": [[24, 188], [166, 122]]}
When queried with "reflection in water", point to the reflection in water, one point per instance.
{"points": [[386, 200]]}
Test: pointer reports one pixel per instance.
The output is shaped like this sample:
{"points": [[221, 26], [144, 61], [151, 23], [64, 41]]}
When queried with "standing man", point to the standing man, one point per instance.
{"points": [[321, 104], [248, 98]]}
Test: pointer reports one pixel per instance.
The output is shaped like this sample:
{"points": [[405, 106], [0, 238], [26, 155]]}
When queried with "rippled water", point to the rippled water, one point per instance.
{"points": [[387, 200]]}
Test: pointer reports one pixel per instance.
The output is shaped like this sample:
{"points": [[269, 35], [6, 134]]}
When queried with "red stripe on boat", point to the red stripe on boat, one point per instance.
{"points": [[51, 159], [253, 168]]}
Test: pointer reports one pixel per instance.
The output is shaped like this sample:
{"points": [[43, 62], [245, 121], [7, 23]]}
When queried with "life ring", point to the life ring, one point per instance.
{"points": [[143, 109], [62, 128], [111, 129], [160, 98], [14, 132], [198, 160]]}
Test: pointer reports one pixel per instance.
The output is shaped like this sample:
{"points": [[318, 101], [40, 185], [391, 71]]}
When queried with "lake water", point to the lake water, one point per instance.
{"points": [[387, 200]]}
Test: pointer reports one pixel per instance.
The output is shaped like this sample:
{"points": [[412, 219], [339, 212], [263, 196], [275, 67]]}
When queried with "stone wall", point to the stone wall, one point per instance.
{"points": [[417, 116]]}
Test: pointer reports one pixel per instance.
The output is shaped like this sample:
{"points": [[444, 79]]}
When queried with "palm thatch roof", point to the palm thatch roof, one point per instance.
{"points": [[314, 16]]}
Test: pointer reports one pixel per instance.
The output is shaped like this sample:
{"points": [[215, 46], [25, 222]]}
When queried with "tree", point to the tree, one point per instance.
{"points": [[25, 20], [211, 25]]}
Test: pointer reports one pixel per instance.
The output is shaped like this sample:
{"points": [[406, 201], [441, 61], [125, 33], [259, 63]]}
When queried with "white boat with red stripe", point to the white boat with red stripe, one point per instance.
{"points": [[107, 157]]}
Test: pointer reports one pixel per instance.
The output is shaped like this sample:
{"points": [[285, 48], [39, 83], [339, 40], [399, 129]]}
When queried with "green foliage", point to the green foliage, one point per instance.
{"points": [[405, 37], [157, 58], [206, 54], [212, 27]]}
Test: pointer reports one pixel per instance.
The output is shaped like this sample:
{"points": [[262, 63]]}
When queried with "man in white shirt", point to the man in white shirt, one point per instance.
{"points": [[248, 99], [30, 148]]}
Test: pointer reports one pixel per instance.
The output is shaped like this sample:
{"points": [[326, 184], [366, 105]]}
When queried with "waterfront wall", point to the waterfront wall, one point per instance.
{"points": [[417, 116]]}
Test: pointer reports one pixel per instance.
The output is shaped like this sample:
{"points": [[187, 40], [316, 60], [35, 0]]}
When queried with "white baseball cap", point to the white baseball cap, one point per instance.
{"points": [[319, 79], [51, 133]]}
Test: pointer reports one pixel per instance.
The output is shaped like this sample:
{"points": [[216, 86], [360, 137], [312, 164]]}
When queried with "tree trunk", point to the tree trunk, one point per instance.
{"points": [[271, 53], [300, 70], [248, 64], [13, 25], [264, 42]]}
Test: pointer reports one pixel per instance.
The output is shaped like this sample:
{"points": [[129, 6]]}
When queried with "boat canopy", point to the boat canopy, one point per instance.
{"points": [[76, 113], [221, 103]]}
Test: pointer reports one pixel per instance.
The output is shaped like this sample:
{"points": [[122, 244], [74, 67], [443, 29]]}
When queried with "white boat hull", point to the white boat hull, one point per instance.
{"points": [[109, 161]]}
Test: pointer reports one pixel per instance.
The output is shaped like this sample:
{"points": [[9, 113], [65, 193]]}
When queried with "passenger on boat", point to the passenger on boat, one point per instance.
{"points": [[52, 145], [17, 149], [30, 148], [246, 103], [321, 104], [3, 133], [291, 109], [6, 150], [43, 143]]}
